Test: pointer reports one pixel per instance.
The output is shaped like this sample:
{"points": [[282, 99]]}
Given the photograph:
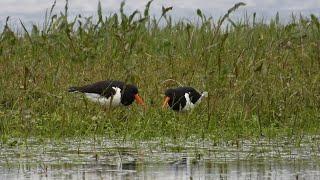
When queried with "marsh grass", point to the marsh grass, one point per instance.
{"points": [[262, 78]]}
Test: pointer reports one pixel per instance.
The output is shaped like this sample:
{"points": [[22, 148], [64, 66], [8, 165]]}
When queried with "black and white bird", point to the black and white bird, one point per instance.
{"points": [[110, 93], [183, 98]]}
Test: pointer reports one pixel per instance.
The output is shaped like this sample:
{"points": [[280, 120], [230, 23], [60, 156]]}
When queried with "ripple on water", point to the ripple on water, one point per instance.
{"points": [[105, 158]]}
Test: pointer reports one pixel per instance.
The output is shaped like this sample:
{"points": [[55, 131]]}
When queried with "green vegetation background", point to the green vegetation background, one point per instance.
{"points": [[262, 78]]}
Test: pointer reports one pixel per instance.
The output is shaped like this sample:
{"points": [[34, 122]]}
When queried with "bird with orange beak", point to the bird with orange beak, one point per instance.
{"points": [[182, 98], [110, 93]]}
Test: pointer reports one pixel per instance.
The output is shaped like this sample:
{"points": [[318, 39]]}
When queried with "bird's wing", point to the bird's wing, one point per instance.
{"points": [[104, 88]]}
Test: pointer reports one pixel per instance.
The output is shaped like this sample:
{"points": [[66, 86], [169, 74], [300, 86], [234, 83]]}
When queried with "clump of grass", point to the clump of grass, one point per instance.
{"points": [[262, 78]]}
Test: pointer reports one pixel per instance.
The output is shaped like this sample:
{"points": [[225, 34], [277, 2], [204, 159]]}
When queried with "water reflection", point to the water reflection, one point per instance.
{"points": [[114, 160], [200, 170]]}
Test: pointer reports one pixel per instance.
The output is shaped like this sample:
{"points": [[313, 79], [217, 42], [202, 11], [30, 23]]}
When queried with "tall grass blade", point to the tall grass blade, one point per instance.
{"points": [[26, 31]]}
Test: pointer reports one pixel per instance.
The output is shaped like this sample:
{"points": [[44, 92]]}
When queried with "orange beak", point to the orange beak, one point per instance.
{"points": [[139, 99], [165, 102]]}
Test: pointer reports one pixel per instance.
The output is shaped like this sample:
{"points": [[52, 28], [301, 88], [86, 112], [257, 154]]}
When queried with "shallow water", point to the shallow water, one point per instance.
{"points": [[116, 159]]}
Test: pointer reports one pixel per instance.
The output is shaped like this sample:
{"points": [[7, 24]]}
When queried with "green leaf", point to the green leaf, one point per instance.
{"points": [[315, 20], [199, 13], [146, 10]]}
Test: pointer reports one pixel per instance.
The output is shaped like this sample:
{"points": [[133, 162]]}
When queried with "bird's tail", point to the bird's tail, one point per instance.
{"points": [[204, 94], [73, 89]]}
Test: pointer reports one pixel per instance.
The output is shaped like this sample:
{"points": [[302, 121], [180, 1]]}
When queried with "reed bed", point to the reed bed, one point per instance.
{"points": [[262, 78]]}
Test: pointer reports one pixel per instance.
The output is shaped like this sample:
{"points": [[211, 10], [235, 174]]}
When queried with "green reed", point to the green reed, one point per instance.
{"points": [[262, 78]]}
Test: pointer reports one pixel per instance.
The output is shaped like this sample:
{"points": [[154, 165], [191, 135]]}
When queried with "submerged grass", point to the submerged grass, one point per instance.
{"points": [[262, 78]]}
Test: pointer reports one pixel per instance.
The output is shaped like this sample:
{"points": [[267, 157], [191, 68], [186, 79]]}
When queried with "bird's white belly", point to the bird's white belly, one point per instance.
{"points": [[189, 105], [112, 100]]}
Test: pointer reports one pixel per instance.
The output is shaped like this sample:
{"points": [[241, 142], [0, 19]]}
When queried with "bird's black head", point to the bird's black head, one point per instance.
{"points": [[179, 92], [170, 93], [175, 98], [130, 94]]}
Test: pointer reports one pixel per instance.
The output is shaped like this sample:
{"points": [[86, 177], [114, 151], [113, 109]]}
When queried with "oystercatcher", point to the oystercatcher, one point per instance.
{"points": [[110, 93], [183, 98]]}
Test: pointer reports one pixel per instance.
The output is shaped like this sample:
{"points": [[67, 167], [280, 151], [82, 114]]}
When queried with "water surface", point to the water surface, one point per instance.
{"points": [[116, 159]]}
